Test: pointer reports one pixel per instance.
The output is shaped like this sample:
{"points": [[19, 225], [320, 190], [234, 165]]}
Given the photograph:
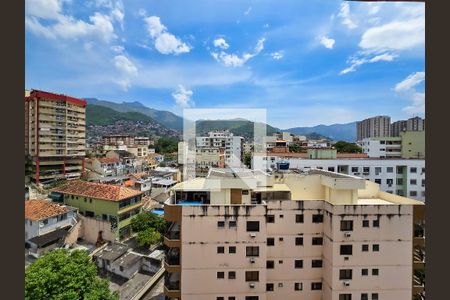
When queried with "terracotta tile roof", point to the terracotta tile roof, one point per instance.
{"points": [[97, 190], [139, 176], [108, 160], [305, 155], [36, 210]]}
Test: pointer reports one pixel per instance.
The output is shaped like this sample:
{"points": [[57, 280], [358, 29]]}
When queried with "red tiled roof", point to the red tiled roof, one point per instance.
{"points": [[305, 155], [36, 210], [108, 160], [138, 176], [97, 190]]}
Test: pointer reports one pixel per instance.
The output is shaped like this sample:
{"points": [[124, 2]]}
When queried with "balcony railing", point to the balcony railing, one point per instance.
{"points": [[173, 260], [172, 235]]}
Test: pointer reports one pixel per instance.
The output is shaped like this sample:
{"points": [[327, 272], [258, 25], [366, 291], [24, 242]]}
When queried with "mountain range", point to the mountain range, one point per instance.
{"points": [[337, 132]]}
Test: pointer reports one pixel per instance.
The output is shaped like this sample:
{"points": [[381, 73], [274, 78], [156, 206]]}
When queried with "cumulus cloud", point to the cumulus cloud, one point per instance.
{"points": [[327, 42], [221, 43], [277, 55], [127, 71], [165, 42], [183, 96], [234, 60], [344, 14], [407, 88]]}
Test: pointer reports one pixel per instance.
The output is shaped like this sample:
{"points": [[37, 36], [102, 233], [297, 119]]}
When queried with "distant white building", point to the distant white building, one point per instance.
{"points": [[231, 144], [382, 147]]}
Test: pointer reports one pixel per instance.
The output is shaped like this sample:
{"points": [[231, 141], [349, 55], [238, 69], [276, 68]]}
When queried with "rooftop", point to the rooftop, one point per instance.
{"points": [[52, 236], [127, 260], [108, 160], [97, 190], [112, 252], [36, 210]]}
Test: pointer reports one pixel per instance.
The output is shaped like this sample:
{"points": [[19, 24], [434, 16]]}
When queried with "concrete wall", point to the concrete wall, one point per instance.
{"points": [[413, 144], [91, 227]]}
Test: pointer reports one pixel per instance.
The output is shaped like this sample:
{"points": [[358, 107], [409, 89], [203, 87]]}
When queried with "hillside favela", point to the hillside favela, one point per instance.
{"points": [[229, 150]]}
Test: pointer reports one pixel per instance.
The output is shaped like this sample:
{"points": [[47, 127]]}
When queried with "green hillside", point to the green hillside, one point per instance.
{"points": [[100, 115]]}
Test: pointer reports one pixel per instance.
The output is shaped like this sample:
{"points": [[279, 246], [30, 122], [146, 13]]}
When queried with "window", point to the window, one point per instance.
{"points": [[378, 181], [374, 296], [364, 272], [375, 272], [269, 287], [232, 298], [413, 170], [389, 170], [366, 169], [423, 182], [281, 216], [346, 249], [298, 286], [270, 264], [221, 224], [365, 248], [232, 275], [298, 264], [270, 219], [232, 224], [375, 247], [377, 170], [280, 239], [220, 275], [299, 241], [253, 226], [232, 249], [413, 193], [317, 241], [423, 170], [346, 225], [299, 218], [331, 169], [355, 169], [413, 181], [345, 296], [317, 218], [389, 181], [251, 276], [270, 242], [220, 249], [399, 181], [365, 223], [244, 192], [376, 223], [220, 298], [252, 251], [345, 274], [45, 222], [316, 263], [364, 296], [316, 286], [251, 298], [280, 262]]}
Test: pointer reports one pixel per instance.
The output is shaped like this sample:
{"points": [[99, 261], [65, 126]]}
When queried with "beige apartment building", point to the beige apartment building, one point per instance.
{"points": [[379, 126], [55, 136], [246, 235]]}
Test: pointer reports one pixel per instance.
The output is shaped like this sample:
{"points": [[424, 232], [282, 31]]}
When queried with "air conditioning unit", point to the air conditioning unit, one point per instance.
{"points": [[252, 235], [346, 283], [252, 260], [347, 234], [251, 285]]}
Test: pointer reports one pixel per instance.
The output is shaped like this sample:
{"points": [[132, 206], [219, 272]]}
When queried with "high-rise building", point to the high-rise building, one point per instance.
{"points": [[412, 124], [223, 139], [398, 127], [317, 235], [378, 126], [55, 136]]}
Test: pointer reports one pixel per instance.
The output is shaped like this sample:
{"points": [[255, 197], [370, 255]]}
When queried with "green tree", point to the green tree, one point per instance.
{"points": [[345, 147], [296, 148], [145, 220], [247, 159], [166, 145], [148, 237], [63, 275]]}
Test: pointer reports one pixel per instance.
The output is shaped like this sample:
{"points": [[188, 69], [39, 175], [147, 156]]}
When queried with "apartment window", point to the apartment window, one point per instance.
{"points": [[317, 218], [378, 181], [345, 296], [316, 263], [253, 226], [251, 276], [366, 169], [389, 181], [220, 249], [317, 241], [270, 219], [413, 181], [413, 170], [364, 296], [375, 272], [365, 223], [331, 169], [280, 262], [299, 241], [270, 264], [298, 264], [232, 249], [316, 286], [298, 286], [280, 239], [252, 251], [376, 223], [220, 298], [355, 169], [299, 218], [399, 181], [365, 248], [375, 247], [374, 296], [220, 275], [377, 170], [281, 216], [364, 272], [413, 193], [269, 287], [221, 224], [251, 298], [346, 250], [423, 182], [270, 242], [346, 225], [389, 170], [232, 275], [345, 274], [423, 170]]}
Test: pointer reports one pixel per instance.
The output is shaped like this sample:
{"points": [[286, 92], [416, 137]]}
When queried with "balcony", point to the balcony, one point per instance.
{"points": [[172, 287], [419, 258], [172, 261], [172, 236]]}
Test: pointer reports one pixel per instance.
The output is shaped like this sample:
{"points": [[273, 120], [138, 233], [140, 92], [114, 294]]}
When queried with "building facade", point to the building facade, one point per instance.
{"points": [[55, 136], [232, 145], [410, 144], [379, 126], [412, 124]]}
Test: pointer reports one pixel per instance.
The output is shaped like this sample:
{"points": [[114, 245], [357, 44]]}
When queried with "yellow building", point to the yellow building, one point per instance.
{"points": [[413, 144]]}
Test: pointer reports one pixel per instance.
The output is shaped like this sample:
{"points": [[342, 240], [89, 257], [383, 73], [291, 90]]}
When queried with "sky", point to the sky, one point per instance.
{"points": [[306, 62]]}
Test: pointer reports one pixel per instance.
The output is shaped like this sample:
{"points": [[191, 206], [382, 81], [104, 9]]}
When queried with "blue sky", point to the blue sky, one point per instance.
{"points": [[306, 62]]}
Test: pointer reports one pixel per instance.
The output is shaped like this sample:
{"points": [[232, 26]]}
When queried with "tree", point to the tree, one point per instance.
{"points": [[148, 237], [247, 158], [296, 148], [145, 220], [166, 145], [63, 275], [345, 147]]}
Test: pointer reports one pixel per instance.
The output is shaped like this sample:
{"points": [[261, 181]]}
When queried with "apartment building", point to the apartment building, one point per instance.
{"points": [[118, 139], [55, 136], [224, 139], [413, 144], [404, 177], [409, 144], [378, 126], [318, 235], [412, 124], [115, 204]]}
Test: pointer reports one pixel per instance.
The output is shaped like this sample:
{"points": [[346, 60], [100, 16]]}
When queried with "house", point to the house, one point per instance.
{"points": [[46, 225], [116, 204], [142, 182], [103, 167], [127, 159]]}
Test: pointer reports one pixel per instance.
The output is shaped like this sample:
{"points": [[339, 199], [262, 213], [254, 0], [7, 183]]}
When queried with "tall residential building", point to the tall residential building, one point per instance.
{"points": [[55, 136], [412, 124], [398, 127], [232, 145], [410, 144], [288, 236], [378, 126]]}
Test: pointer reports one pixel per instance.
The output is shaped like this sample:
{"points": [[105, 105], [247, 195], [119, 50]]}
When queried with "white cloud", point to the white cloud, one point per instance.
{"points": [[165, 42], [407, 89], [410, 82], [327, 42], [117, 49], [183, 96], [277, 55], [233, 60], [364, 58], [248, 10], [127, 70], [221, 43], [344, 13]]}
